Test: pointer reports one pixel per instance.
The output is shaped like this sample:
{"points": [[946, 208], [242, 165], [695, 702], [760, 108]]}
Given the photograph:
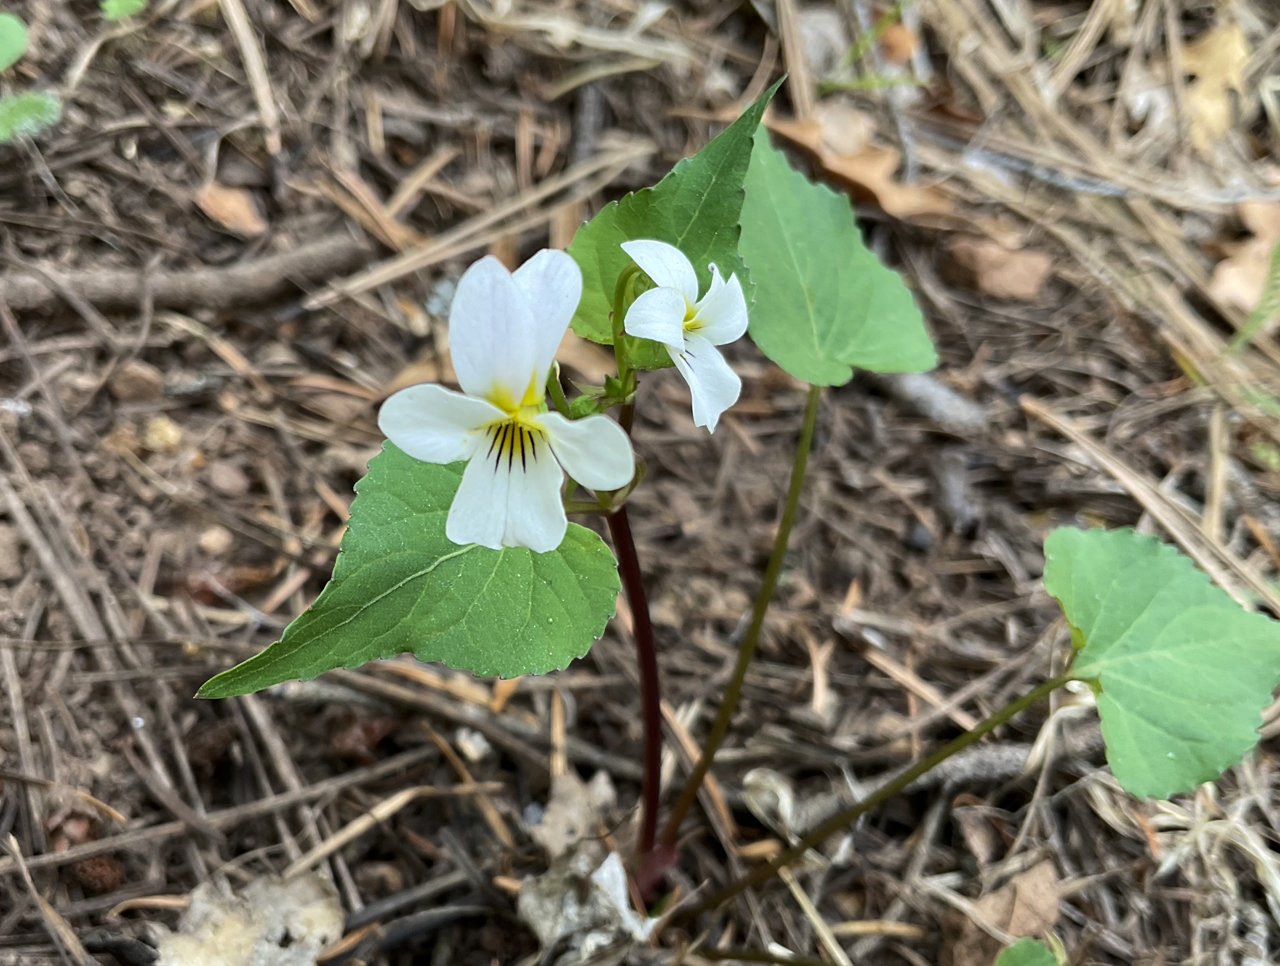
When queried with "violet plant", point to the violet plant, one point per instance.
{"points": [[459, 548]]}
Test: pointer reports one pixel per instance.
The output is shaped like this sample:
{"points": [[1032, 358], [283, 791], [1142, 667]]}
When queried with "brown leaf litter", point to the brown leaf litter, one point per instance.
{"points": [[1083, 226]]}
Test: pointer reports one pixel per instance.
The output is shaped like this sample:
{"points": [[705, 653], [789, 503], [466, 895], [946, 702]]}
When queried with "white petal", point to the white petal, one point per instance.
{"points": [[491, 334], [503, 503], [657, 314], [666, 265], [535, 512], [434, 424], [717, 282], [595, 451], [552, 285], [714, 386], [722, 315]]}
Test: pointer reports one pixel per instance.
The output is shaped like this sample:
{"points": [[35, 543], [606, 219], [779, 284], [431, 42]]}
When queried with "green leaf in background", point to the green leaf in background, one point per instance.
{"points": [[26, 115], [695, 207], [119, 9], [1181, 671], [824, 302], [401, 585], [13, 39], [1026, 952]]}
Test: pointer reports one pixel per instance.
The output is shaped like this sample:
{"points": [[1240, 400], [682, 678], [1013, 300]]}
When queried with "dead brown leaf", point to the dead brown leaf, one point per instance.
{"points": [[1027, 905], [1239, 278], [1217, 59], [996, 270], [839, 138], [235, 209], [573, 811]]}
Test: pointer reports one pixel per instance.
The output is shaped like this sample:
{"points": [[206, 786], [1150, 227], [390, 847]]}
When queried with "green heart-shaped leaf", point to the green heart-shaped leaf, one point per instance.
{"points": [[401, 585], [1181, 671], [824, 302]]}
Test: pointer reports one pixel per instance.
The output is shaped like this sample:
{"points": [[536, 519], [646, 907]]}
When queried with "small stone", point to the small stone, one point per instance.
{"points": [[474, 746], [379, 878], [216, 541], [136, 381], [98, 874], [227, 478], [10, 553], [162, 435], [917, 537]]}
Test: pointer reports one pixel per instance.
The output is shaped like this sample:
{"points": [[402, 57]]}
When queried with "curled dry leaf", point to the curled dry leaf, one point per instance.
{"points": [[573, 811], [838, 136], [235, 209]]}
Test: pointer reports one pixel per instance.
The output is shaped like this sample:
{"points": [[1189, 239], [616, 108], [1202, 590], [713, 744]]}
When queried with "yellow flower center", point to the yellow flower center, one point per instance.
{"points": [[519, 435], [689, 324], [532, 399]]}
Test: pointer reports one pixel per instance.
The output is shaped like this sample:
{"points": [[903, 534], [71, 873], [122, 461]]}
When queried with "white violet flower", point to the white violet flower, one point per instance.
{"points": [[689, 328], [504, 329]]}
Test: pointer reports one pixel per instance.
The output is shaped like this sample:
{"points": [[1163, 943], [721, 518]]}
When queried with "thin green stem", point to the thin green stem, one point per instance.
{"points": [[584, 508], [867, 84], [878, 797], [747, 649]]}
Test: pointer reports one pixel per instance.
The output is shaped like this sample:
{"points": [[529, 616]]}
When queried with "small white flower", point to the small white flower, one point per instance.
{"points": [[504, 329], [689, 328]]}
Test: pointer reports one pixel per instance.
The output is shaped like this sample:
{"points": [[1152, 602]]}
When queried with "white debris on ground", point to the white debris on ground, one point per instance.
{"points": [[269, 923], [580, 905], [580, 909]]}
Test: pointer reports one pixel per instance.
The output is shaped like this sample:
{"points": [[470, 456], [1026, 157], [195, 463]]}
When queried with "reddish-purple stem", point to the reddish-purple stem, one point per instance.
{"points": [[647, 658]]}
